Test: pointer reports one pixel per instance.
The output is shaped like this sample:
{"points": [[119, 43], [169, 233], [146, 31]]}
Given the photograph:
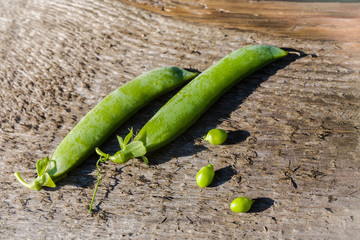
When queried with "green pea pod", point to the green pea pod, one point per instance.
{"points": [[181, 111], [94, 128]]}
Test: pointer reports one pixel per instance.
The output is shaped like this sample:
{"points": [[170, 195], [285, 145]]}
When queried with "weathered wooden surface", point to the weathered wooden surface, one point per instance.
{"points": [[310, 20], [293, 126]]}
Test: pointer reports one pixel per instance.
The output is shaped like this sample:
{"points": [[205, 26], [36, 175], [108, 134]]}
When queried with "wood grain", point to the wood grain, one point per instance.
{"points": [[293, 127], [305, 20]]}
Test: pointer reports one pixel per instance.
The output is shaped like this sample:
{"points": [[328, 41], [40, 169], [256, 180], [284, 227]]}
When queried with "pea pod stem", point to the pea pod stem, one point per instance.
{"points": [[103, 158], [127, 152]]}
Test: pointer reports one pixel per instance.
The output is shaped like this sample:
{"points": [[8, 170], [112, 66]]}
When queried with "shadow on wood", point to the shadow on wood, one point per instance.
{"points": [[235, 137], [222, 176], [261, 204]]}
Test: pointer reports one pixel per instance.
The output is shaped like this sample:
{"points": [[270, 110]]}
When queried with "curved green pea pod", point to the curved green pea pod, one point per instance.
{"points": [[205, 176], [216, 136], [241, 204], [97, 125], [181, 111]]}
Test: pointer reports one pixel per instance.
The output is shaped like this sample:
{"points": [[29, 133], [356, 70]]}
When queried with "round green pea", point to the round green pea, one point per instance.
{"points": [[241, 204], [205, 176], [216, 136]]}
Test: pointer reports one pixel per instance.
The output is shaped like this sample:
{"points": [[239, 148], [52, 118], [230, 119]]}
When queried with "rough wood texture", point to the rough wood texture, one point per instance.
{"points": [[293, 126], [310, 20]]}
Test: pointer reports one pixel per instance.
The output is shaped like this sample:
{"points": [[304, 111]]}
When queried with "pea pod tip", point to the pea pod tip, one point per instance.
{"points": [[278, 52]]}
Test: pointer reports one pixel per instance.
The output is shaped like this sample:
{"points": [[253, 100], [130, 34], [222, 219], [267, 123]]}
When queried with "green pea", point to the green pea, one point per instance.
{"points": [[216, 136], [241, 204], [205, 176], [102, 121]]}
